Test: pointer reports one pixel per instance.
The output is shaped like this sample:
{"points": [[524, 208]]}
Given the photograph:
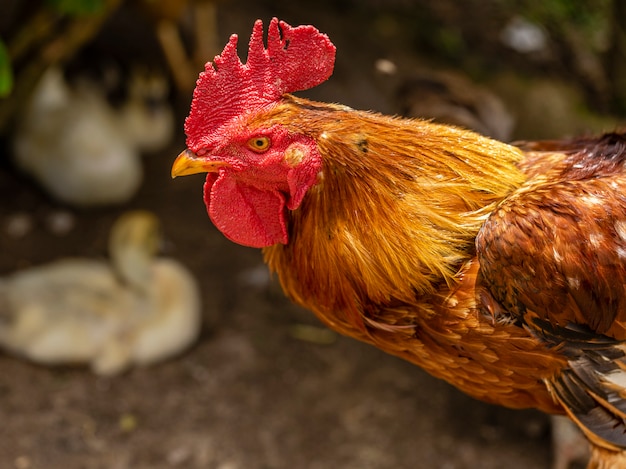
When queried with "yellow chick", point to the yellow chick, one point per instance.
{"points": [[136, 310]]}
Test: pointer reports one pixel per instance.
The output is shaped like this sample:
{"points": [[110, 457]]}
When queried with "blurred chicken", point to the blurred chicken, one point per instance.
{"points": [[70, 141], [450, 98], [135, 311], [80, 148]]}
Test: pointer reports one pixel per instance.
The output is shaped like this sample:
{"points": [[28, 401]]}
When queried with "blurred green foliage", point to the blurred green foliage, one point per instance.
{"points": [[6, 73], [591, 18], [580, 12]]}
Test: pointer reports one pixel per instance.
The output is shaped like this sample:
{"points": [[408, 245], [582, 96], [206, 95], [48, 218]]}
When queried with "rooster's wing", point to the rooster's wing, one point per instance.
{"points": [[553, 255]]}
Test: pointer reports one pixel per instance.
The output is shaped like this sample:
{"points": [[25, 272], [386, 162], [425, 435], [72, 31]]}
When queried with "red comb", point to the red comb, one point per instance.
{"points": [[295, 59]]}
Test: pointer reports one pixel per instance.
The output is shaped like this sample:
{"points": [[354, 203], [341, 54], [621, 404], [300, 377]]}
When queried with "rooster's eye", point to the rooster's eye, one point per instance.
{"points": [[259, 144]]}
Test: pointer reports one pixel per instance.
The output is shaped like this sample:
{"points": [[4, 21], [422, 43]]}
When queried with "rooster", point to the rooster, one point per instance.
{"points": [[500, 269]]}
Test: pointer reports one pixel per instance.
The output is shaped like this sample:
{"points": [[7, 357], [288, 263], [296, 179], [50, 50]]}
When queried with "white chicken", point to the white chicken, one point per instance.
{"points": [[137, 310], [80, 148], [70, 142]]}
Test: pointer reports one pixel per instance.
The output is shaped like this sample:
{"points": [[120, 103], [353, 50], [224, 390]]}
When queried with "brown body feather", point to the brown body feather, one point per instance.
{"points": [[498, 270]]}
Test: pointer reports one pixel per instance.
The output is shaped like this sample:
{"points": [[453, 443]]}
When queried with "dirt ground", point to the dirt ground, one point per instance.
{"points": [[249, 394]]}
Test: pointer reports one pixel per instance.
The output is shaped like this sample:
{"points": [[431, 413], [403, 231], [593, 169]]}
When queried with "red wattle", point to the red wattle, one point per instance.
{"points": [[245, 214]]}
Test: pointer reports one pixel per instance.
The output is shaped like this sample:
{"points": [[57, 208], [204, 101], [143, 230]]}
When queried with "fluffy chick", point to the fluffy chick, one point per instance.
{"points": [[138, 309]]}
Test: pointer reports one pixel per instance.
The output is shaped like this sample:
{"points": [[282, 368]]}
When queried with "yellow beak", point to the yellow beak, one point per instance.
{"points": [[189, 163]]}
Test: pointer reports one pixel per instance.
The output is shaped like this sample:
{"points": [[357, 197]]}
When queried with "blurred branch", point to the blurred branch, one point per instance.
{"points": [[46, 39], [182, 70], [184, 66], [39, 28], [207, 45]]}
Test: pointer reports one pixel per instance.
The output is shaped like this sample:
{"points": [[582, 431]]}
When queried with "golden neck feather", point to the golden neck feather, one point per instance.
{"points": [[396, 209]]}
